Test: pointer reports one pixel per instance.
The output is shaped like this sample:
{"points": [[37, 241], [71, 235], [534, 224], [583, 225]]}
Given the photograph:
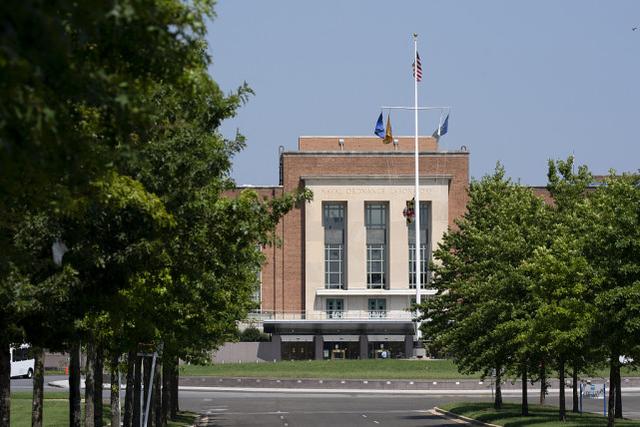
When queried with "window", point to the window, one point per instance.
{"points": [[376, 225], [257, 294], [333, 220], [335, 308], [377, 308], [425, 222], [21, 354]]}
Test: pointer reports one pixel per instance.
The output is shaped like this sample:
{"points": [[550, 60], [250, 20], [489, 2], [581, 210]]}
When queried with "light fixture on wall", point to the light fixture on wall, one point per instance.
{"points": [[341, 142]]}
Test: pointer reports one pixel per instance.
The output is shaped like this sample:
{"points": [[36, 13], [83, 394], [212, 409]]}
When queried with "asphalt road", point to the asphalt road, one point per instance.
{"points": [[286, 409], [297, 408], [23, 384]]}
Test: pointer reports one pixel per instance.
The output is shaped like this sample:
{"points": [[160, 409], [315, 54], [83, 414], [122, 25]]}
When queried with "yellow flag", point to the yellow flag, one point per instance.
{"points": [[388, 137]]}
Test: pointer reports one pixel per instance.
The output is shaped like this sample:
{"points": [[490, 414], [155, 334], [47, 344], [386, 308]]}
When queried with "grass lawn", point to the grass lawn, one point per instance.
{"points": [[56, 411], [337, 369], [349, 369], [184, 419], [509, 416]]}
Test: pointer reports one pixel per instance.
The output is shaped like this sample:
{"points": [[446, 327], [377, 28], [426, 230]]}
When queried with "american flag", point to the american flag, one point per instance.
{"points": [[418, 67]]}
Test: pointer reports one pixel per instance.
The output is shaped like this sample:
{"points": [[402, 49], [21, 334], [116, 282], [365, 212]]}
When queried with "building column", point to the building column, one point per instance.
{"points": [[364, 346], [408, 346], [319, 346], [277, 346]]}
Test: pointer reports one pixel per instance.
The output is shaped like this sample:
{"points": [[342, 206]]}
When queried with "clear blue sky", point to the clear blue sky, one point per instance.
{"points": [[526, 80]]}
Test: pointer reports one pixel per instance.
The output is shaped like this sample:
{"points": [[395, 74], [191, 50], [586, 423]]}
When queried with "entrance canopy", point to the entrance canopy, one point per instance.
{"points": [[337, 327]]}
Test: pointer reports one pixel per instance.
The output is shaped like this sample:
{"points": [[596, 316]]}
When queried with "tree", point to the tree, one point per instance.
{"points": [[212, 256], [614, 251], [562, 320], [561, 278], [480, 310], [81, 82]]}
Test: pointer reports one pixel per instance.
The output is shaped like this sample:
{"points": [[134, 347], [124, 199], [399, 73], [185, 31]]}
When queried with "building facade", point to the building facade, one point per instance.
{"points": [[342, 281]]}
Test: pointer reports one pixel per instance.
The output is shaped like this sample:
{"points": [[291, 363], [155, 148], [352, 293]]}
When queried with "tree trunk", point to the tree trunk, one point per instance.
{"points": [[157, 396], [137, 392], [612, 391], [525, 397], [148, 388], [128, 395], [89, 383], [618, 412], [497, 403], [563, 407], [576, 401], [115, 390], [74, 385], [98, 379], [543, 383], [38, 387], [166, 388], [175, 378], [5, 385]]}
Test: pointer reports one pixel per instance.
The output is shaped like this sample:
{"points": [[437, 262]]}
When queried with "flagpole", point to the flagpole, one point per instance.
{"points": [[417, 184]]}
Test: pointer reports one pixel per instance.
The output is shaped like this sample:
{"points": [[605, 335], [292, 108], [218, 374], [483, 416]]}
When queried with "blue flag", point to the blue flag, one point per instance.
{"points": [[380, 127], [444, 127]]}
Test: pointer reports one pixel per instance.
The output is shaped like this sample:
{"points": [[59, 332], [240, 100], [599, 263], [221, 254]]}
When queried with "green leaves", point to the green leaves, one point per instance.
{"points": [[482, 304], [520, 282], [109, 141]]}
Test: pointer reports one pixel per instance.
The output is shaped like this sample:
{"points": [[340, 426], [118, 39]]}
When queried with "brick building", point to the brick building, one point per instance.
{"points": [[341, 282]]}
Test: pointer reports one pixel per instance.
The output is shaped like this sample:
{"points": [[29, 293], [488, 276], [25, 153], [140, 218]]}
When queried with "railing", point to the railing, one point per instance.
{"points": [[261, 315], [377, 314]]}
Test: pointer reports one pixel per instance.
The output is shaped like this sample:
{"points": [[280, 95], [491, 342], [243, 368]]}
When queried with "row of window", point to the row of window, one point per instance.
{"points": [[335, 308], [376, 220]]}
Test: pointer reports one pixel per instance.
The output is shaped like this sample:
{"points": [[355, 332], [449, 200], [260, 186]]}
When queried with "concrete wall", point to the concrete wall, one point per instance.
{"points": [[247, 352]]}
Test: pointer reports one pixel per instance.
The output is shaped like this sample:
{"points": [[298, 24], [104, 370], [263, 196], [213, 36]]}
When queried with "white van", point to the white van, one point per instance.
{"points": [[22, 361]]}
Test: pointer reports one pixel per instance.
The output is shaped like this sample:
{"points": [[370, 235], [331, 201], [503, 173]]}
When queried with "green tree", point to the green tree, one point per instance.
{"points": [[75, 83], [481, 308], [561, 278], [563, 318], [613, 249]]}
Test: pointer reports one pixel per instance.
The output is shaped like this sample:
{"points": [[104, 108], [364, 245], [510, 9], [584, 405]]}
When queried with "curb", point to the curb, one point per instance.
{"points": [[201, 421], [251, 386], [451, 415]]}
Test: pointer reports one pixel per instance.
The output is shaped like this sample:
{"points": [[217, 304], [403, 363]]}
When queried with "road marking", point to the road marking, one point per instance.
{"points": [[376, 422], [447, 417], [364, 416]]}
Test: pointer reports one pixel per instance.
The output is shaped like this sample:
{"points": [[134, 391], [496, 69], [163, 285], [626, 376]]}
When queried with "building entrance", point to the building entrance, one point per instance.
{"points": [[386, 350], [297, 350], [340, 350]]}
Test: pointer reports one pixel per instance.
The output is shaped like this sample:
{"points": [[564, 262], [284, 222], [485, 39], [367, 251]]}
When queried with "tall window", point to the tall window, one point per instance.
{"points": [[377, 308], [257, 295], [335, 308], [376, 224], [333, 219], [425, 222]]}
